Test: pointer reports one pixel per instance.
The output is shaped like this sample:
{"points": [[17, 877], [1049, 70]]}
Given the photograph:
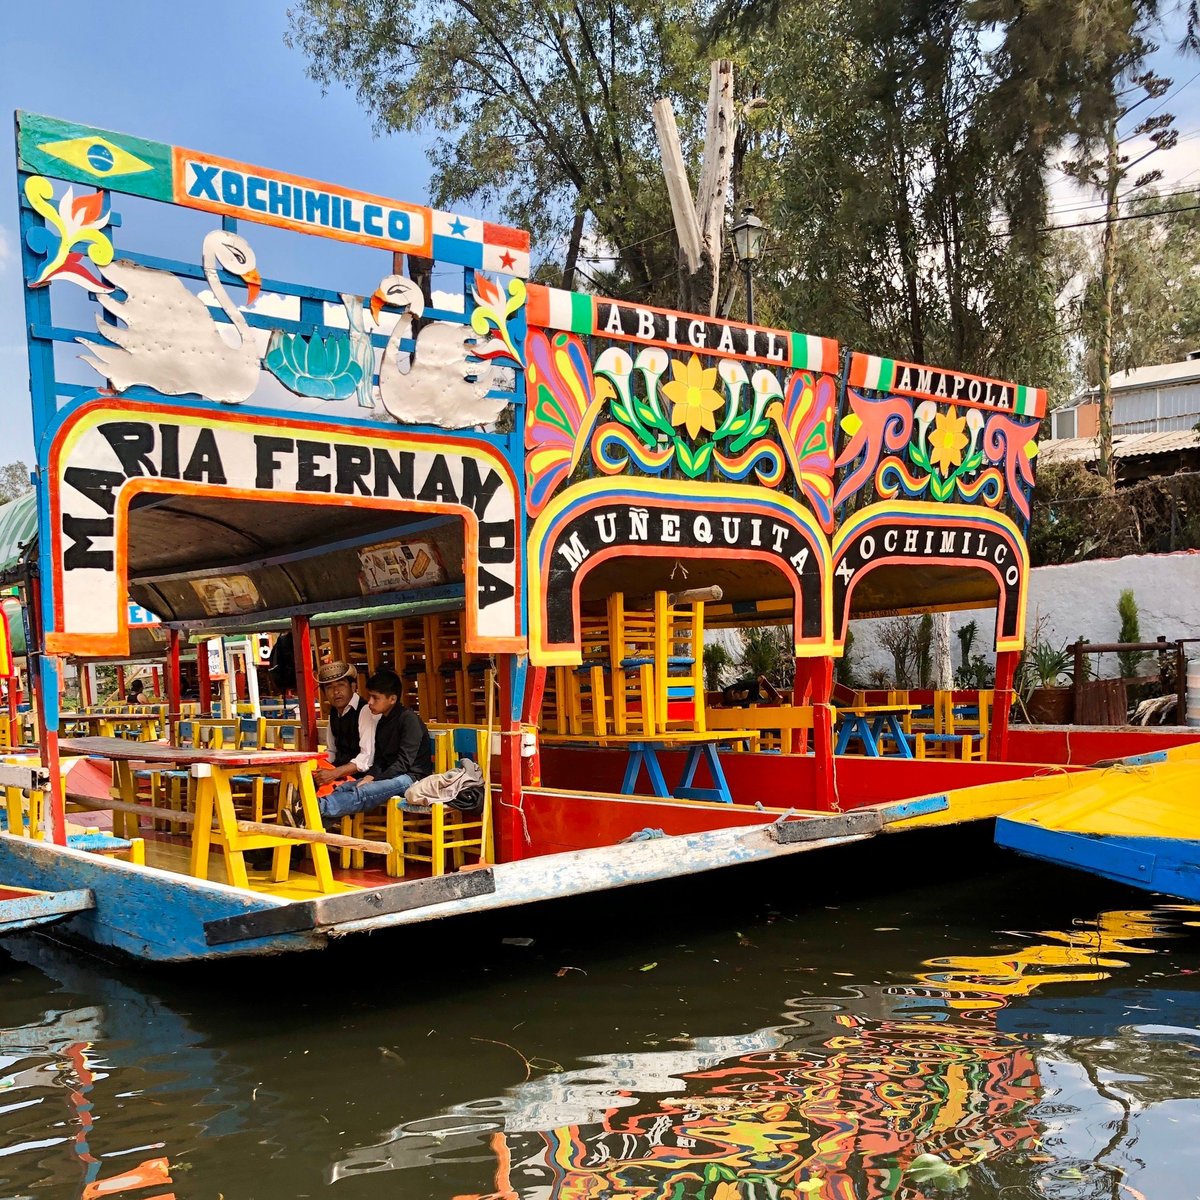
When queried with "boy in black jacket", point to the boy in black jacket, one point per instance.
{"points": [[403, 754]]}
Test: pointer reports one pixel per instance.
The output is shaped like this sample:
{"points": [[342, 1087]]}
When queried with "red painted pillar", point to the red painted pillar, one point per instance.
{"points": [[535, 687], [306, 684], [174, 682], [1006, 667], [120, 685], [821, 678], [801, 693], [203, 678], [507, 818]]}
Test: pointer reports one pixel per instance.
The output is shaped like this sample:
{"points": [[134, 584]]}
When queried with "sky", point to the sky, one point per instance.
{"points": [[215, 75], [211, 75]]}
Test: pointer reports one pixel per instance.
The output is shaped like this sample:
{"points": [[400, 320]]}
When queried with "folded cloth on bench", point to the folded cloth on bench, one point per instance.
{"points": [[461, 788]]}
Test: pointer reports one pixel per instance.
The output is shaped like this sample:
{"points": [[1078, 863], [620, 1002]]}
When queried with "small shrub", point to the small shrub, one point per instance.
{"points": [[1127, 610]]}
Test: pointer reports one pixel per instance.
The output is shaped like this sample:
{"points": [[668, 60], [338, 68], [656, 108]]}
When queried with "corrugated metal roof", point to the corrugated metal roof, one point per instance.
{"points": [[1125, 445], [18, 527]]}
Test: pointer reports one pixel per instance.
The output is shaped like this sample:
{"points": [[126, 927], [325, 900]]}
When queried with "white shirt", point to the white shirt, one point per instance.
{"points": [[367, 721]]}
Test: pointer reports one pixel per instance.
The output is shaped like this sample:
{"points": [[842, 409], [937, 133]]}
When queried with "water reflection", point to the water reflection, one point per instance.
{"points": [[71, 1081], [1055, 1063], [841, 1099]]}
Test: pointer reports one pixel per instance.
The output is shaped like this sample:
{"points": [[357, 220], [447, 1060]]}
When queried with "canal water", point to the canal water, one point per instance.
{"points": [[919, 1016]]}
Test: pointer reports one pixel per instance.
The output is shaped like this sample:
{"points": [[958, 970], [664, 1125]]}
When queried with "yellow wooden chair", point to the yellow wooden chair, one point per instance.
{"points": [[678, 663], [586, 685], [631, 654], [434, 834], [956, 736]]}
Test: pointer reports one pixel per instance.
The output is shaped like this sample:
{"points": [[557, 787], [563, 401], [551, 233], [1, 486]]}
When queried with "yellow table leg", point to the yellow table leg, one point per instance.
{"points": [[301, 776], [202, 829], [125, 824], [15, 801], [235, 862]]}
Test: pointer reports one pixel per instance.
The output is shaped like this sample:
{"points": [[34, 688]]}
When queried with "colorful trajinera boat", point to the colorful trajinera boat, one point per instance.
{"points": [[532, 504]]}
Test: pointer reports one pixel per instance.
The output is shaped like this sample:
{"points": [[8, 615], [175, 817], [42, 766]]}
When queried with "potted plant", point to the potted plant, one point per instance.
{"points": [[1045, 674]]}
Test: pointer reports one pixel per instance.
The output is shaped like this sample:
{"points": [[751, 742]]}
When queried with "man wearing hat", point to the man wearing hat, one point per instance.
{"points": [[351, 739]]}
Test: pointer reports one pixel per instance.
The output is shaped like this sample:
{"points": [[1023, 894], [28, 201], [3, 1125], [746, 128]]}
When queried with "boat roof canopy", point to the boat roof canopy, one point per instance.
{"points": [[277, 557], [18, 531]]}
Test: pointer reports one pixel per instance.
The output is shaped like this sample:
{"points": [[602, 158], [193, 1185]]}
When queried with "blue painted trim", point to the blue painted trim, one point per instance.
{"points": [[151, 915], [920, 807], [43, 908]]}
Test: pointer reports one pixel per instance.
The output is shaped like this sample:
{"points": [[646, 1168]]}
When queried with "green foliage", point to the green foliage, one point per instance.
{"points": [[1077, 515], [14, 481], [1130, 631], [1156, 298], [876, 160], [717, 661], [976, 673], [768, 650], [538, 111], [1042, 665]]}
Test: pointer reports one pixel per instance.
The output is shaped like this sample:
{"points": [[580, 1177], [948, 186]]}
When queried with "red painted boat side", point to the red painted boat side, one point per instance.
{"points": [[1082, 745]]}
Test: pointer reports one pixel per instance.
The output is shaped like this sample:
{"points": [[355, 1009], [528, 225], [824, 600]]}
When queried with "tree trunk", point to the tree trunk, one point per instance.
{"points": [[1108, 285], [568, 275], [943, 664]]}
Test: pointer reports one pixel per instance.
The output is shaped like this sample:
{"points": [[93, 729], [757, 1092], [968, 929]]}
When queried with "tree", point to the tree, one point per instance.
{"points": [[717, 661], [14, 481], [1156, 284], [900, 223], [1076, 70], [539, 108], [769, 651]]}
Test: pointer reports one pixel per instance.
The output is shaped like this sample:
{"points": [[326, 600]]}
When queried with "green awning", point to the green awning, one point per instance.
{"points": [[18, 528]]}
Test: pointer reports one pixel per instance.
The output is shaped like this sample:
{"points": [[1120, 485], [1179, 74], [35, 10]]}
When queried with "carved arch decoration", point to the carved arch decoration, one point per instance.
{"points": [[922, 535], [599, 520], [107, 452]]}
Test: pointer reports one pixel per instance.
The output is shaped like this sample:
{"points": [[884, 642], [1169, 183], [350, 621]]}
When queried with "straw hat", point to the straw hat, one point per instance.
{"points": [[335, 672]]}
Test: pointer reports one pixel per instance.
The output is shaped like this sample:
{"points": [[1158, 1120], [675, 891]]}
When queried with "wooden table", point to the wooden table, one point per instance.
{"points": [[869, 723], [106, 724], [643, 752], [213, 771]]}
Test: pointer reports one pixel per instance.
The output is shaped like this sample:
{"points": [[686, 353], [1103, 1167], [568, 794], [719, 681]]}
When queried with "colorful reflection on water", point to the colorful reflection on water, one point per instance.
{"points": [[838, 1103], [1056, 1063]]}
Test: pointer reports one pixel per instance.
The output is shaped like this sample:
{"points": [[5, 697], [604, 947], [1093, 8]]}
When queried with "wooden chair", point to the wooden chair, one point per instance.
{"points": [[775, 723], [679, 664], [586, 685], [631, 654], [962, 736], [429, 835]]}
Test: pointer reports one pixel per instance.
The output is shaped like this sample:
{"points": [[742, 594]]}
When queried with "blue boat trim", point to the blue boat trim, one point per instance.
{"points": [[43, 908], [1167, 865]]}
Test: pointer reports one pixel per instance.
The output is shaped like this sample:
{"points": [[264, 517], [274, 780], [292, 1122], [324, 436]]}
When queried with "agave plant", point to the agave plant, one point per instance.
{"points": [[1044, 665]]}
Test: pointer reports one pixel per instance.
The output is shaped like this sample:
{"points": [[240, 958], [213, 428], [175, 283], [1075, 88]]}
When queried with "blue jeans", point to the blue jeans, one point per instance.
{"points": [[351, 797]]}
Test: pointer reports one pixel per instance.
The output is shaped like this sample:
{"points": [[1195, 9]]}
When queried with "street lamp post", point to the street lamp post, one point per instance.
{"points": [[748, 233]]}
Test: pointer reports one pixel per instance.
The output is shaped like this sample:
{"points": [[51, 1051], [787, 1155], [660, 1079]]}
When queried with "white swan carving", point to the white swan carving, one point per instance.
{"points": [[168, 340], [436, 385]]}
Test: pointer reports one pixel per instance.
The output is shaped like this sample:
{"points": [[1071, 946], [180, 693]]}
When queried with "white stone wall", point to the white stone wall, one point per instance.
{"points": [[1080, 600]]}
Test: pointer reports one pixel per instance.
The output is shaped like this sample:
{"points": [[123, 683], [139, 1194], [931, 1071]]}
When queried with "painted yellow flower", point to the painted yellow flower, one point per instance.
{"points": [[725, 1189], [693, 397], [948, 440]]}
